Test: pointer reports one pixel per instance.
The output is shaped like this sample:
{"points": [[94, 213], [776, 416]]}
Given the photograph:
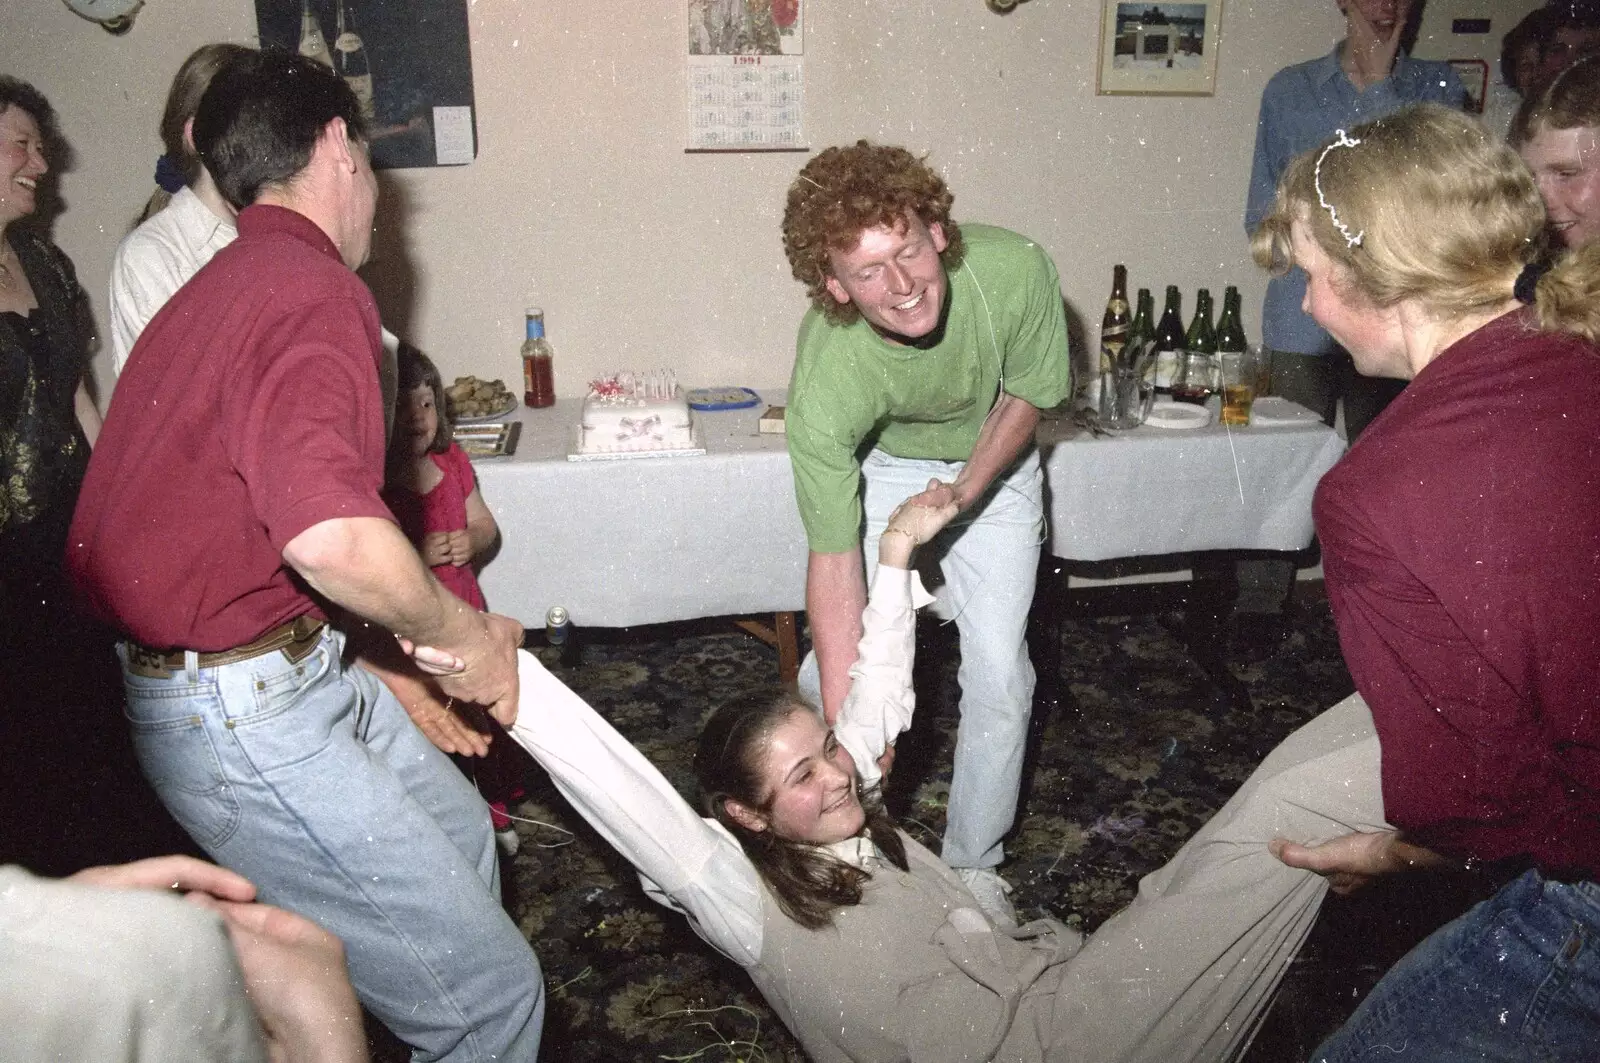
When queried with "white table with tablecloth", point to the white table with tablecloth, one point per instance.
{"points": [[639, 541]]}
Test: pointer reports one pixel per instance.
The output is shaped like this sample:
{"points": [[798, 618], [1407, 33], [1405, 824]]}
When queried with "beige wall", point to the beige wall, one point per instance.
{"points": [[583, 201]]}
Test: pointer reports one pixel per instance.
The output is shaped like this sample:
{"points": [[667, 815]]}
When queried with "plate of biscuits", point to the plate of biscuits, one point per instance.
{"points": [[474, 401]]}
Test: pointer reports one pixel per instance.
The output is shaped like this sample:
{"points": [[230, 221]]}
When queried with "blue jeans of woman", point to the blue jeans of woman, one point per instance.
{"points": [[310, 780], [1516, 979]]}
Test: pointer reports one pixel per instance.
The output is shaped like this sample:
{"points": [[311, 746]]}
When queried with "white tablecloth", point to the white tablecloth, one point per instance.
{"points": [[649, 540], [1156, 491]]}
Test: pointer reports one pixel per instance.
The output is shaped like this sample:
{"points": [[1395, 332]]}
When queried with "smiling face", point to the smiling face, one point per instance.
{"points": [[1566, 165], [810, 783], [416, 425], [1370, 333], [22, 164], [895, 278], [1381, 15]]}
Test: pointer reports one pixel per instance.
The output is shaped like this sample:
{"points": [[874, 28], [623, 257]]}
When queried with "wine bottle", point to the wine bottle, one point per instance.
{"points": [[1230, 333], [1168, 340], [313, 45], [1193, 382], [1113, 335], [350, 61], [1143, 329]]}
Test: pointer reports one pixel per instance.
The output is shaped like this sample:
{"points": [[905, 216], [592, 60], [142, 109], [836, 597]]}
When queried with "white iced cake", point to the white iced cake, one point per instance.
{"points": [[635, 413]]}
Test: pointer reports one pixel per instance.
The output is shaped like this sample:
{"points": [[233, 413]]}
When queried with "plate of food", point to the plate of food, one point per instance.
{"points": [[728, 398], [474, 401]]}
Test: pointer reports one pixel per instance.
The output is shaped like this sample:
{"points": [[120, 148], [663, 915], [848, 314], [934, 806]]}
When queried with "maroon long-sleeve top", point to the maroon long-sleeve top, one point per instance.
{"points": [[1461, 549]]}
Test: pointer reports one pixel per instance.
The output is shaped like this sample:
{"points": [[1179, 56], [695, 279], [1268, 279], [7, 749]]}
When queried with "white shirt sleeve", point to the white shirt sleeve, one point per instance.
{"points": [[687, 862], [881, 702]]}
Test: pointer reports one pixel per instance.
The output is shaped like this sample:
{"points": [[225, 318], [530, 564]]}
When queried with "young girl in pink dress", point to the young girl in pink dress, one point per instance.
{"points": [[431, 490], [430, 486]]}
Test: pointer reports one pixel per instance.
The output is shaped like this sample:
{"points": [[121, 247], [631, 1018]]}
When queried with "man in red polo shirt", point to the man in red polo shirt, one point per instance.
{"points": [[232, 495]]}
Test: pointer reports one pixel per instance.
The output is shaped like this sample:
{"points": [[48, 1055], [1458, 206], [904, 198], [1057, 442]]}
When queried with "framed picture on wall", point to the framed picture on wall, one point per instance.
{"points": [[1474, 74], [408, 62], [1159, 48]]}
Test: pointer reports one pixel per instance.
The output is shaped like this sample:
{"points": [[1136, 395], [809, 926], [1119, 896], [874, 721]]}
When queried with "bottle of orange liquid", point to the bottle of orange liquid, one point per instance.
{"points": [[538, 364]]}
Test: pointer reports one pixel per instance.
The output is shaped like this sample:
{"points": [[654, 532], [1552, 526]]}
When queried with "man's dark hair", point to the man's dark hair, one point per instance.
{"points": [[260, 119], [1535, 30]]}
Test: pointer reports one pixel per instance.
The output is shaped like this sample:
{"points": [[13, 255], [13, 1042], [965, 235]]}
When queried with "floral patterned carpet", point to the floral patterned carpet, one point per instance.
{"points": [[1134, 746]]}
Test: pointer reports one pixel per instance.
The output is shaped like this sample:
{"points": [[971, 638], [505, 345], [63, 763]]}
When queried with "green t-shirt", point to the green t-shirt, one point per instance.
{"points": [[852, 390]]}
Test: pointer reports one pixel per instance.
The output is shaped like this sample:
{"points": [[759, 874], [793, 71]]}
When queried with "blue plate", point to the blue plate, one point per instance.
{"points": [[722, 398]]}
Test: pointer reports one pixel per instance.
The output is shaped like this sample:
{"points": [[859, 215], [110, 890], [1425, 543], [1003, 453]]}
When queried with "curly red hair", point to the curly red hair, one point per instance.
{"points": [[845, 191]]}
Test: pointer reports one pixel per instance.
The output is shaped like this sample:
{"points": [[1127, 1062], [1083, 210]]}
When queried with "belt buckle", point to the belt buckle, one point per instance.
{"points": [[304, 637], [147, 663]]}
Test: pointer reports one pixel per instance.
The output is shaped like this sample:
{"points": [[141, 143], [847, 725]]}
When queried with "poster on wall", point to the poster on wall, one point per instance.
{"points": [[1157, 48], [746, 87], [409, 62]]}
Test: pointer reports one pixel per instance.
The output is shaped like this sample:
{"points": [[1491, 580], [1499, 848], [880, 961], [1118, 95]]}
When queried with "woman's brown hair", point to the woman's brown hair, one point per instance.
{"points": [[808, 882], [183, 99]]}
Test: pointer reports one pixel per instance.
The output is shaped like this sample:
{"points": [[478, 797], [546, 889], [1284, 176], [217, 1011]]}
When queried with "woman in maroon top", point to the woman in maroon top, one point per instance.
{"points": [[1461, 548]]}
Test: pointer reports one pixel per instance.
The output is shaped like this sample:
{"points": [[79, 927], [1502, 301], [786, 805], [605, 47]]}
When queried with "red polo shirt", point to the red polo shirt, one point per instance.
{"points": [[248, 412], [1461, 546]]}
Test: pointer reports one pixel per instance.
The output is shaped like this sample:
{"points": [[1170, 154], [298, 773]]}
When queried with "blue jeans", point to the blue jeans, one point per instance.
{"points": [[1515, 979], [310, 780], [988, 559]]}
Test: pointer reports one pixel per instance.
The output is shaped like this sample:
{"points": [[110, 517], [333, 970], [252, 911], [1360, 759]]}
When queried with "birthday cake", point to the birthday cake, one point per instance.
{"points": [[635, 413]]}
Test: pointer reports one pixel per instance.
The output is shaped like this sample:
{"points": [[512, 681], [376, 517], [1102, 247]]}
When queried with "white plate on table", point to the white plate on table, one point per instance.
{"points": [[494, 415], [1178, 416], [1270, 410]]}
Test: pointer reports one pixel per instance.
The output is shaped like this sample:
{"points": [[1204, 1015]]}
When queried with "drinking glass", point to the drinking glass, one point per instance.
{"points": [[1132, 394], [1238, 385]]}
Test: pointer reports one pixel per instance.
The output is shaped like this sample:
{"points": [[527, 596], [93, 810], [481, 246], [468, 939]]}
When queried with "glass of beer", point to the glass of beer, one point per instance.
{"points": [[1238, 385]]}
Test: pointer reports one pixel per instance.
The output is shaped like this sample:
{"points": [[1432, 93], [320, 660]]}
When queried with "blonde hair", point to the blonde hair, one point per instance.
{"points": [[1447, 215]]}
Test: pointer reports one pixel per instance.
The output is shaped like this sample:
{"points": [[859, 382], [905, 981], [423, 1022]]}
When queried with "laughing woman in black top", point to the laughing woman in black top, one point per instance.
{"points": [[71, 784], [47, 420]]}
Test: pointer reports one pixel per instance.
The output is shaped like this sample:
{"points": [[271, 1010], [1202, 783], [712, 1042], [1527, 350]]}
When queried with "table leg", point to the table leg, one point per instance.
{"points": [[781, 634]]}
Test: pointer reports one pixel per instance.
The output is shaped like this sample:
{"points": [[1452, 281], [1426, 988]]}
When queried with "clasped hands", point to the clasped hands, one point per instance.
{"points": [[447, 548], [485, 675]]}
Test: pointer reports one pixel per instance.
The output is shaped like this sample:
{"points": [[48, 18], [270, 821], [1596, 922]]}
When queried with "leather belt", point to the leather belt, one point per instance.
{"points": [[296, 639]]}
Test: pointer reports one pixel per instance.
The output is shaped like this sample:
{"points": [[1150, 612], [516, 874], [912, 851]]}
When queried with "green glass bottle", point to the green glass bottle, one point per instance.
{"points": [[1143, 328], [1169, 340], [1194, 380], [1230, 333]]}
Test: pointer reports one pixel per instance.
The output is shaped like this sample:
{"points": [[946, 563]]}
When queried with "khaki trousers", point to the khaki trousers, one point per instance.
{"points": [[1186, 972]]}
